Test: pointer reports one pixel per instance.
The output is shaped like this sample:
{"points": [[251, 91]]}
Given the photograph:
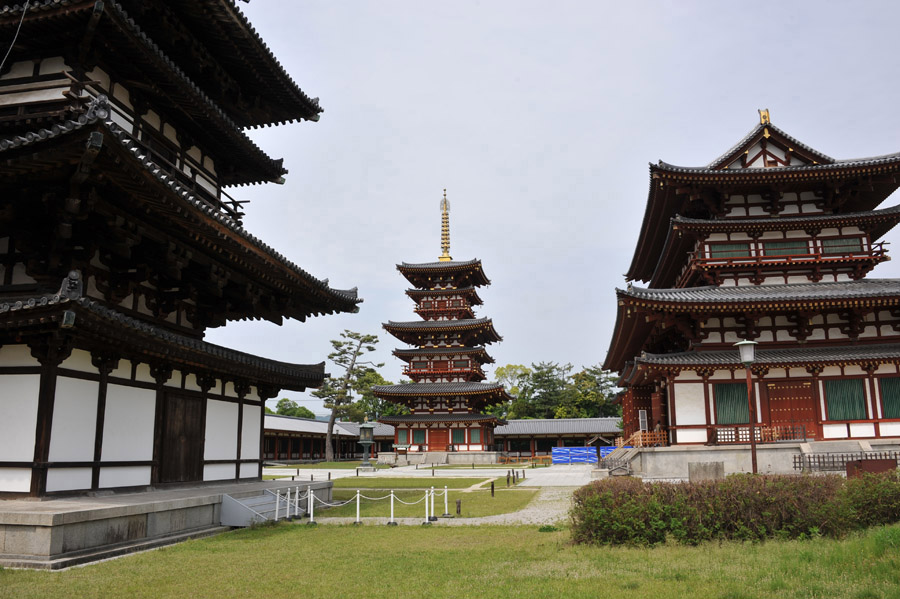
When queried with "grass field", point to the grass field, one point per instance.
{"points": [[474, 562], [329, 466], [473, 504]]}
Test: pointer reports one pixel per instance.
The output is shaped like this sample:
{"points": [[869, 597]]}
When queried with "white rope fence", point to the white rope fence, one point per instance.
{"points": [[292, 498]]}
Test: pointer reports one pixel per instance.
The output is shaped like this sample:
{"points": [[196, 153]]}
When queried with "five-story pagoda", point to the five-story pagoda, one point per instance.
{"points": [[448, 395]]}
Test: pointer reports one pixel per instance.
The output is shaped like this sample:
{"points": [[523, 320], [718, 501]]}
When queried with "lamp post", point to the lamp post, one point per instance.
{"points": [[747, 351], [366, 439]]}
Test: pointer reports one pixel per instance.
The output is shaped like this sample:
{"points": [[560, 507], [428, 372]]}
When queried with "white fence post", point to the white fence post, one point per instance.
{"points": [[446, 507], [277, 503], [357, 507], [427, 519], [311, 502], [391, 521], [433, 517]]}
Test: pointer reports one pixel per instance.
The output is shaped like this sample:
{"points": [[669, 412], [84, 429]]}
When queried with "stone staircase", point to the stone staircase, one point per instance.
{"points": [[434, 457], [244, 511]]}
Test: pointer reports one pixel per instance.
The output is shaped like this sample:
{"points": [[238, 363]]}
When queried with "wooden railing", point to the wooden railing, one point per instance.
{"points": [[762, 434], [410, 371], [837, 462]]}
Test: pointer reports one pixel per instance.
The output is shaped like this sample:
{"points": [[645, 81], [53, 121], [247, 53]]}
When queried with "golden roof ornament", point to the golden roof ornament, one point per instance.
{"points": [[764, 117], [445, 230]]}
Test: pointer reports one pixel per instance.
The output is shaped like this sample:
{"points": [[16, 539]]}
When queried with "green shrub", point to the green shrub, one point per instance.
{"points": [[740, 507]]}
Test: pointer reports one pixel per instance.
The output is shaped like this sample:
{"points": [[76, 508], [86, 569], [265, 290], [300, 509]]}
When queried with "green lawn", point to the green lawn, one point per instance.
{"points": [[330, 466], [418, 482], [473, 504], [474, 562]]}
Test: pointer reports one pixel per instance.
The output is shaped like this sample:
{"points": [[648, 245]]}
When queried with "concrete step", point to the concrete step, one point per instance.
{"points": [[842, 446]]}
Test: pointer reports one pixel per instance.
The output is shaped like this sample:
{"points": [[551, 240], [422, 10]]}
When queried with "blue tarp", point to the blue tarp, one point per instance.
{"points": [[605, 451], [574, 455]]}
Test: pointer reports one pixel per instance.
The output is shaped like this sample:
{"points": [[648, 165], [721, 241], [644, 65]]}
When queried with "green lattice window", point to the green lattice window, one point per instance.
{"points": [[402, 437], [841, 245], [731, 403], [729, 250], [793, 247], [475, 435], [845, 399], [459, 436], [418, 436], [890, 397]]}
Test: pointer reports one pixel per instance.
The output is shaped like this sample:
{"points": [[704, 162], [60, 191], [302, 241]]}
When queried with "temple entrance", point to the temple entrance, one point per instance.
{"points": [[182, 440], [792, 404], [438, 439]]}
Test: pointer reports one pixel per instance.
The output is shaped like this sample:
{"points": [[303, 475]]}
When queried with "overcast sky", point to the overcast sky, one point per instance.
{"points": [[539, 118]]}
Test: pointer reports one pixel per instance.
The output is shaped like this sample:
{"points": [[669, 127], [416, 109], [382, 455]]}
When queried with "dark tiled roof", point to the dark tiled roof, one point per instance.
{"points": [[426, 418], [478, 353], [380, 430], [786, 221], [117, 324], [560, 426], [796, 292], [474, 299], [98, 112], [438, 325], [779, 357], [837, 165], [449, 265], [439, 389], [755, 132]]}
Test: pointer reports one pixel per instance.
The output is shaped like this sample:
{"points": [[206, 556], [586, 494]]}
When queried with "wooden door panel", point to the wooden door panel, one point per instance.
{"points": [[438, 439], [182, 441], [793, 404]]}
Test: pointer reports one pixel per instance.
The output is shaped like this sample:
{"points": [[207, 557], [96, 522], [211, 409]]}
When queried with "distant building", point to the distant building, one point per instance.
{"points": [[770, 242], [121, 125]]}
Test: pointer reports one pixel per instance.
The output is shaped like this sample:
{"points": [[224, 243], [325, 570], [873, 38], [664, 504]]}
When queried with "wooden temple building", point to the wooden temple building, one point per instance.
{"points": [[121, 125], [771, 242], [447, 396]]}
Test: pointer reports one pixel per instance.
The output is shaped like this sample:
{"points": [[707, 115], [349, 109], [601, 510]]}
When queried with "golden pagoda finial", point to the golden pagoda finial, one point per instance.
{"points": [[764, 116], [445, 230]]}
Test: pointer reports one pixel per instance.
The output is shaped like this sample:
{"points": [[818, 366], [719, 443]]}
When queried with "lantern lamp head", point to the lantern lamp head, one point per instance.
{"points": [[747, 350]]}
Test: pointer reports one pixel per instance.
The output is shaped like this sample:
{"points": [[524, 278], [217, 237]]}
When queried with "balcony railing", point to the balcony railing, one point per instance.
{"points": [[756, 260], [410, 371]]}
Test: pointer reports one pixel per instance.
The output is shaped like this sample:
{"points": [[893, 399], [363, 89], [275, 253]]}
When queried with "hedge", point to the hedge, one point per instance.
{"points": [[625, 510]]}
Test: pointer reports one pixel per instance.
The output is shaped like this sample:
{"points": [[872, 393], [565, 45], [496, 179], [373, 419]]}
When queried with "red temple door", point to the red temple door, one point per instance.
{"points": [[438, 439], [793, 404]]}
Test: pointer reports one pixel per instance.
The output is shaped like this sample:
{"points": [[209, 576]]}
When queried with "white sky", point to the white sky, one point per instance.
{"points": [[540, 119]]}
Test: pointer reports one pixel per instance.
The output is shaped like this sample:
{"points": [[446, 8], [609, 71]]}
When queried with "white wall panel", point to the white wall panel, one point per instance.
{"points": [[127, 476], [80, 360], [697, 435], [128, 424], [17, 355], [250, 433], [862, 429], [249, 470], [688, 401], [890, 429], [219, 471], [74, 420], [15, 480], [68, 479], [221, 430], [18, 416], [834, 431]]}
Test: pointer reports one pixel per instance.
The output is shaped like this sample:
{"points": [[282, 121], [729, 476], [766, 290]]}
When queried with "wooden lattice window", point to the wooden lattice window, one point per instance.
{"points": [[842, 245], [474, 435], [459, 436], [731, 403], [845, 399], [460, 363], [419, 436], [793, 247], [729, 250], [402, 436], [890, 397]]}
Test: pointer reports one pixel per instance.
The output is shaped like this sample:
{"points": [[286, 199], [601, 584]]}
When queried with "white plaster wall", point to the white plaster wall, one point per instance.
{"points": [[221, 430], [229, 390], [862, 429], [252, 395], [250, 433], [80, 360], [886, 369], [18, 416], [128, 424], [219, 471], [126, 476], [687, 375], [688, 401], [17, 355], [143, 374], [834, 431], [831, 371], [697, 435], [174, 380], [19, 69], [888, 429], [190, 383], [67, 479], [249, 470], [853, 369], [15, 480], [74, 421], [123, 370]]}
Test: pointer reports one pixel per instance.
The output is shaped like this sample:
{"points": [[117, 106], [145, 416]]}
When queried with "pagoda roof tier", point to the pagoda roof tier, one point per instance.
{"points": [[96, 327], [684, 232], [479, 354], [797, 357], [482, 393], [469, 293], [693, 191], [215, 44], [463, 273], [633, 327], [481, 330], [440, 418], [124, 48], [191, 219]]}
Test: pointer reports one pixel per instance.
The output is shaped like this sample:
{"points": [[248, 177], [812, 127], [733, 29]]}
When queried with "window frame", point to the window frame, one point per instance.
{"points": [[895, 397], [418, 436], [834, 411], [731, 392]]}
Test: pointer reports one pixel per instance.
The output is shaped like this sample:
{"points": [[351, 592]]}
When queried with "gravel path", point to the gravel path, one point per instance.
{"points": [[550, 506]]}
